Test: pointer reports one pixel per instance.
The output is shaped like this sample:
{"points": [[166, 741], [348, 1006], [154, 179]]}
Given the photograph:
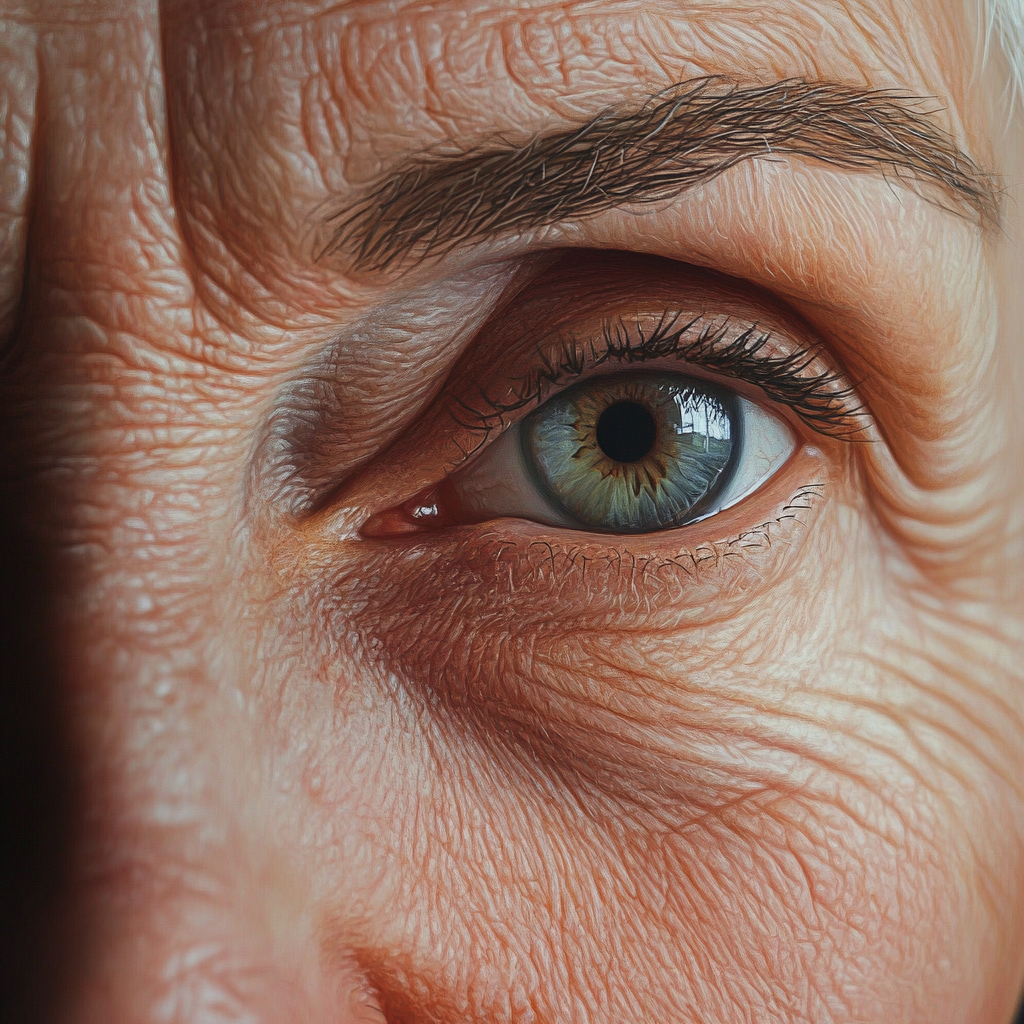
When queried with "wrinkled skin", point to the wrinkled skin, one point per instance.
{"points": [[505, 772]]}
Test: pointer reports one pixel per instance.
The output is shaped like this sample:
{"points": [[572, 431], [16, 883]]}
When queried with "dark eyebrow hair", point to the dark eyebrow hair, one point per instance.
{"points": [[434, 202]]}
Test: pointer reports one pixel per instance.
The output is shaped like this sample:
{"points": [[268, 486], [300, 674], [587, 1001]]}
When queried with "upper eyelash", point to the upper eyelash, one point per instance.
{"points": [[824, 400]]}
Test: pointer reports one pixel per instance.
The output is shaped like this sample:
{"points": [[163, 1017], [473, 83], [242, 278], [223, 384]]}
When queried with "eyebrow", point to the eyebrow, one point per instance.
{"points": [[433, 202]]}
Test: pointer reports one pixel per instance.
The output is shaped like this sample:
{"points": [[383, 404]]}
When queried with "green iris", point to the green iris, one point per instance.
{"points": [[633, 454]]}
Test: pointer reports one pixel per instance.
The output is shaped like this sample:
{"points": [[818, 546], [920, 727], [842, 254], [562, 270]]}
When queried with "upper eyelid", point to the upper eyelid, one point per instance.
{"points": [[824, 400]]}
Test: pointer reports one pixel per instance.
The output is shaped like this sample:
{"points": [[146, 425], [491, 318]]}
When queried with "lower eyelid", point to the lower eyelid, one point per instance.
{"points": [[542, 574]]}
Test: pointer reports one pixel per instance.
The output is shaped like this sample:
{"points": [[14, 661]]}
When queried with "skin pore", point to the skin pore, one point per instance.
{"points": [[337, 763]]}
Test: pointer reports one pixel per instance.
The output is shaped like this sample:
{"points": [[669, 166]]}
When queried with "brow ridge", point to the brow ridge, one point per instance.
{"points": [[682, 137]]}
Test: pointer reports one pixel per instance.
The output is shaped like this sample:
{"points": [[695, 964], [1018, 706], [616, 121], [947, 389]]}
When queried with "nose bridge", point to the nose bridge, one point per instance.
{"points": [[109, 393], [112, 428], [102, 401]]}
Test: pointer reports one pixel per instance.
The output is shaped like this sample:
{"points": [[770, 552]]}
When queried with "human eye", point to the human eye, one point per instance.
{"points": [[625, 453], [649, 402]]}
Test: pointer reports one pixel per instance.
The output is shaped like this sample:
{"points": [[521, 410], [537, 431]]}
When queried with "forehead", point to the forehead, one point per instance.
{"points": [[444, 68]]}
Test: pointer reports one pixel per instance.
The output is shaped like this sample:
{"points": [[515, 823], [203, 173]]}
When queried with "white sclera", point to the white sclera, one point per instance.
{"points": [[499, 484], [766, 442]]}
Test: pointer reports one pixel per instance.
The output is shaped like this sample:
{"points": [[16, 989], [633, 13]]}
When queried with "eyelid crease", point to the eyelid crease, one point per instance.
{"points": [[798, 378]]}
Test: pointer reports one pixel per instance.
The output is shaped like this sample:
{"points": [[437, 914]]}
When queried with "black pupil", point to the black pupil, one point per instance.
{"points": [[626, 432]]}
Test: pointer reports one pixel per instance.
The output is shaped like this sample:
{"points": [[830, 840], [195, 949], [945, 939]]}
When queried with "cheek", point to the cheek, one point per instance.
{"points": [[643, 668], [506, 625], [508, 750], [650, 683], [621, 812]]}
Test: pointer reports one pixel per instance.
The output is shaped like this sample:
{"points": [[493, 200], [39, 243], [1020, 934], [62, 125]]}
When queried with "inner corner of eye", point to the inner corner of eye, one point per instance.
{"points": [[494, 485]]}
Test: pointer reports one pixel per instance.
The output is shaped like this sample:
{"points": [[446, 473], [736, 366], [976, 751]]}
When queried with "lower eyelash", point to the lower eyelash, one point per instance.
{"points": [[691, 561], [823, 399], [596, 583]]}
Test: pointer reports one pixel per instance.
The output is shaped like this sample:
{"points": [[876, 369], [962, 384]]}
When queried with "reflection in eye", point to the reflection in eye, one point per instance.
{"points": [[630, 453]]}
